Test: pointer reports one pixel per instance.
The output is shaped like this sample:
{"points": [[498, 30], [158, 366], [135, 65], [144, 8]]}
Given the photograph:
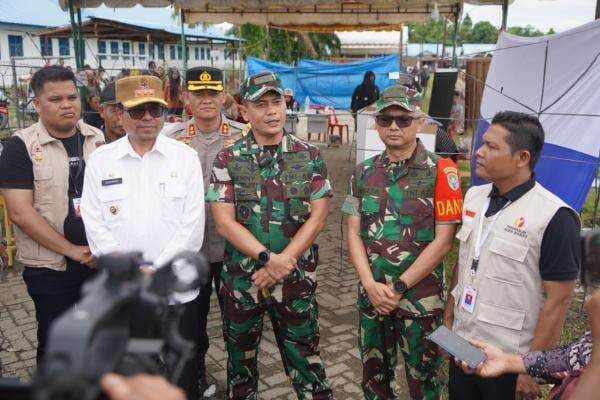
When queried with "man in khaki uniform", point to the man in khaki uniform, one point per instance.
{"points": [[41, 177], [207, 132]]}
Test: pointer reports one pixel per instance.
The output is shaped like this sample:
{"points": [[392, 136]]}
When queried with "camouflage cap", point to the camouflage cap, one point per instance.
{"points": [[255, 86], [135, 90], [396, 95]]}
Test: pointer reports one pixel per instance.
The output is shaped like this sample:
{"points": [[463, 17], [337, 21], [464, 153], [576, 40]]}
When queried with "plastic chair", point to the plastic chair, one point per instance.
{"points": [[333, 123], [8, 234]]}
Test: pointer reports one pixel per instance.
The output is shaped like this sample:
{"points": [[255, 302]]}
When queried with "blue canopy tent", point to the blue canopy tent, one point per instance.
{"points": [[325, 82]]}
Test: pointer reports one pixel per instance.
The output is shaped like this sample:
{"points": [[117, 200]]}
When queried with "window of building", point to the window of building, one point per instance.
{"points": [[196, 53], [161, 51], [101, 50], [202, 54], [179, 52], [45, 46], [15, 46], [151, 51], [64, 47], [126, 50], [114, 50], [172, 52], [142, 49]]}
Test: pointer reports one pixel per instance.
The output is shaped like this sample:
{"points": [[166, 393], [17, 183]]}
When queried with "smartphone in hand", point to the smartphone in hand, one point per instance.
{"points": [[457, 346]]}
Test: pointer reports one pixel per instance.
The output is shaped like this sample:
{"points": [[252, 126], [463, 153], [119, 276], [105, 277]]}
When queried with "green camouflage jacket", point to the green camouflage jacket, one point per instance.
{"points": [[272, 191], [395, 202]]}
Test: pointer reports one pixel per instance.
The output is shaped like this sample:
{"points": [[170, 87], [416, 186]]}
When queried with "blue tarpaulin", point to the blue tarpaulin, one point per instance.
{"points": [[325, 82]]}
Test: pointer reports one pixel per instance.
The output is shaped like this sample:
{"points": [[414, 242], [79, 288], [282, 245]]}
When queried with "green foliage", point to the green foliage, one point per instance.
{"points": [[484, 32], [527, 31], [285, 46], [481, 32]]}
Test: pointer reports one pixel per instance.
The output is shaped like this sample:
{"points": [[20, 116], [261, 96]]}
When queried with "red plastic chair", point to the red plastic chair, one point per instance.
{"points": [[333, 123]]}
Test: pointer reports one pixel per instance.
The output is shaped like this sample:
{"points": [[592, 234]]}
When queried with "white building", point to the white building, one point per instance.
{"points": [[39, 32]]}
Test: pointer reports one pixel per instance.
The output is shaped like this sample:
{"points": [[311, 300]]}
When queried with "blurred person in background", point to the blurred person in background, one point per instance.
{"points": [[173, 92]]}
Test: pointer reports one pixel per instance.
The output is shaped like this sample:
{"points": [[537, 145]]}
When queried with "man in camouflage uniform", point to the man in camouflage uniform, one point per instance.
{"points": [[270, 197], [208, 132], [397, 239]]}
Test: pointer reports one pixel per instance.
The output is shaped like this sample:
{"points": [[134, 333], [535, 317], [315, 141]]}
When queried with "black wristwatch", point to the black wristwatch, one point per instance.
{"points": [[400, 287], [264, 256]]}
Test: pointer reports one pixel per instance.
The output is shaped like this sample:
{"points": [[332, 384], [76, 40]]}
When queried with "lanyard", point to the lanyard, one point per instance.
{"points": [[481, 236], [75, 177]]}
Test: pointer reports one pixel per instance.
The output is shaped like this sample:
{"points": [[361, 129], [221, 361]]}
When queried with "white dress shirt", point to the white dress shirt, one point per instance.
{"points": [[152, 203]]}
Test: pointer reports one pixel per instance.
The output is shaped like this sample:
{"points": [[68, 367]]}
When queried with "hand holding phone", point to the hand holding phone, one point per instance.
{"points": [[457, 346]]}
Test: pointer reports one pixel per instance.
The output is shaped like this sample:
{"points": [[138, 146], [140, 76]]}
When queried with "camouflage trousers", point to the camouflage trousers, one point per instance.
{"points": [[299, 328], [379, 338]]}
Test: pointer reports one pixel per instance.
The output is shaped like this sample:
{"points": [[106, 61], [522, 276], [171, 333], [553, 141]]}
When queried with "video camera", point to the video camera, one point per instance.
{"points": [[590, 258], [94, 337]]}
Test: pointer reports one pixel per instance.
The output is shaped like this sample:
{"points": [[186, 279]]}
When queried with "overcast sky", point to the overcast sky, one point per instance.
{"points": [[543, 14]]}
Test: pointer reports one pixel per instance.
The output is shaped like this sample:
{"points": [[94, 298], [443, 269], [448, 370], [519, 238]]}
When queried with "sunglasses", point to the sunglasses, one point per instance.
{"points": [[155, 110], [385, 121]]}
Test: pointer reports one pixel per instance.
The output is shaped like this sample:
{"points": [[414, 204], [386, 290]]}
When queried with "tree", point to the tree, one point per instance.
{"points": [[527, 31], [464, 31], [484, 32], [550, 31], [285, 46]]}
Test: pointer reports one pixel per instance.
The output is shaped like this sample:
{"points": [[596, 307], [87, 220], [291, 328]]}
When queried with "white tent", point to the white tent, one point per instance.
{"points": [[557, 78], [309, 15]]}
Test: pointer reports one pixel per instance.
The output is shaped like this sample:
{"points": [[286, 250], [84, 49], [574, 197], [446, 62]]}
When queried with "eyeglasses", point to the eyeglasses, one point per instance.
{"points": [[155, 110], [385, 121]]}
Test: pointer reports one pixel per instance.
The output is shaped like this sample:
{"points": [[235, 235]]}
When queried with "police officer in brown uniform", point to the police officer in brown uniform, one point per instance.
{"points": [[207, 132], [41, 178]]}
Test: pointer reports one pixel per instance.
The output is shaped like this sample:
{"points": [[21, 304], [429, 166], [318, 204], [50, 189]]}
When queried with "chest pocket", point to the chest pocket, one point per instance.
{"points": [[371, 212], [115, 209], [43, 184], [246, 177], [416, 210], [296, 179], [172, 199]]}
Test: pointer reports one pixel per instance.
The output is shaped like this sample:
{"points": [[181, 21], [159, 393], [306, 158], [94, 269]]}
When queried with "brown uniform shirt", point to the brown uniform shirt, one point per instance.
{"points": [[207, 145]]}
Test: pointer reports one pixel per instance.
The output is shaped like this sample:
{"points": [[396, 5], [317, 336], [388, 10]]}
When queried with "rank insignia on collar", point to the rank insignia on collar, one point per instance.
{"points": [[225, 129], [191, 130], [228, 142], [114, 210], [38, 156], [185, 139]]}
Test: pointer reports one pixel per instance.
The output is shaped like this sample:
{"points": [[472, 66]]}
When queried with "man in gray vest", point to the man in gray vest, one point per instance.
{"points": [[518, 260], [208, 132], [41, 178]]}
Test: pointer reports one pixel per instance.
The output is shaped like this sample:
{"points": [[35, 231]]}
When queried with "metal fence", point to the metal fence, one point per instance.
{"points": [[16, 98]]}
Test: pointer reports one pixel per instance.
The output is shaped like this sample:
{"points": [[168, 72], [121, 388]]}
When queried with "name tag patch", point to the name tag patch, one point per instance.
{"points": [[113, 181]]}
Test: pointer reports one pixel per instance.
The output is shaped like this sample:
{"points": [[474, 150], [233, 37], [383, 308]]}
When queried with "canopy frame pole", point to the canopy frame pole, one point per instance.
{"points": [[455, 38], [597, 9], [504, 15], [268, 44], [74, 34], [183, 42], [401, 48], [81, 42]]}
